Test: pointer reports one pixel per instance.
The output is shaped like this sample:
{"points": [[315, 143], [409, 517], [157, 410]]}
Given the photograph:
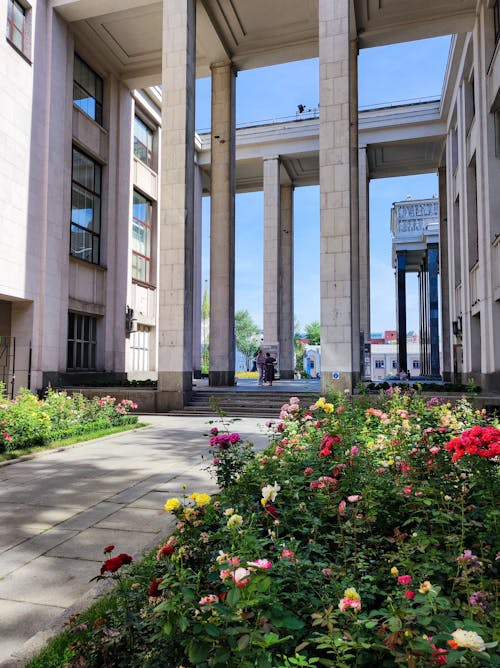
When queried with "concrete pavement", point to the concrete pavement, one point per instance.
{"points": [[61, 508]]}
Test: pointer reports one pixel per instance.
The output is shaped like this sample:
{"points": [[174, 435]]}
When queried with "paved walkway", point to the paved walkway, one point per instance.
{"points": [[60, 509]]}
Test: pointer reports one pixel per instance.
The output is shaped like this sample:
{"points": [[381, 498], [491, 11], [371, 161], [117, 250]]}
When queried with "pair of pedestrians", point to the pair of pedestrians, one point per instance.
{"points": [[265, 367]]}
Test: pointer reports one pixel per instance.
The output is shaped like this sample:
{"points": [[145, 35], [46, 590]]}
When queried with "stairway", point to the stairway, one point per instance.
{"points": [[264, 402]]}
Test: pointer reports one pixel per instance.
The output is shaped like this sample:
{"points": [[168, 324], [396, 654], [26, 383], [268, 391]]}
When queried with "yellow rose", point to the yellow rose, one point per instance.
{"points": [[328, 408], [235, 521], [425, 587], [200, 499], [188, 513], [321, 402], [394, 571], [172, 504]]}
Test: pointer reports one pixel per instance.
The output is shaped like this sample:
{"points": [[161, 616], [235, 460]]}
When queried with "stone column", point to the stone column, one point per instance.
{"points": [[337, 67], [433, 269], [222, 249], [175, 317], [364, 261], [272, 200], [401, 303], [286, 320], [197, 242], [444, 262]]}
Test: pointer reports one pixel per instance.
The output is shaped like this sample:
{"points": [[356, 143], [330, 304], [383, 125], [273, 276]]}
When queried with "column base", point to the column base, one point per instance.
{"points": [[221, 378], [346, 381], [287, 374], [175, 389]]}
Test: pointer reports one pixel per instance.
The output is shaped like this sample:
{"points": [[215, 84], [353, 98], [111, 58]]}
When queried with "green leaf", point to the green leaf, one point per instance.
{"points": [[233, 597], [212, 630], [243, 642], [197, 651]]}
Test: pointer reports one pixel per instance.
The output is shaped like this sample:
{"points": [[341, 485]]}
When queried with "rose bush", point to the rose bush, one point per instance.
{"points": [[28, 421], [355, 539]]}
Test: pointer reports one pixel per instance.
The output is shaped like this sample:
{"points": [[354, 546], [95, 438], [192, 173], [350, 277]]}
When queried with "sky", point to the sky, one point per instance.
{"points": [[389, 74]]}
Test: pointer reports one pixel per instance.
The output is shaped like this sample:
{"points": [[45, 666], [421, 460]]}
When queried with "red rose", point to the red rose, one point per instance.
{"points": [[108, 549], [126, 558], [111, 565], [154, 589]]}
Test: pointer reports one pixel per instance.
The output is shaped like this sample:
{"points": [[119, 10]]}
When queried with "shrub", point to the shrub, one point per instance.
{"points": [[28, 421]]}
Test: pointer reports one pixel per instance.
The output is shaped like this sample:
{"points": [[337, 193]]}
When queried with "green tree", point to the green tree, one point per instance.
{"points": [[205, 334], [246, 332], [313, 333]]}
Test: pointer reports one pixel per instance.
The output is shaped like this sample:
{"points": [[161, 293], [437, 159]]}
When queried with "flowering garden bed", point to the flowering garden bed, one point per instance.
{"points": [[30, 422], [363, 536]]}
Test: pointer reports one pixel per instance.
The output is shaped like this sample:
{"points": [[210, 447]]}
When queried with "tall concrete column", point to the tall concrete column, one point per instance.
{"points": [[175, 317], [364, 260], [222, 249], [339, 339], [433, 269], [272, 199], [401, 314], [197, 243], [444, 262], [286, 320]]}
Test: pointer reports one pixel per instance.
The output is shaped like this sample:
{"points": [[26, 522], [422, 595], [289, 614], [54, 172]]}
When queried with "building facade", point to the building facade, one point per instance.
{"points": [[100, 226]]}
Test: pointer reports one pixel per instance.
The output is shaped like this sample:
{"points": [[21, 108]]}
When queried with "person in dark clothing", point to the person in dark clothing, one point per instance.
{"points": [[269, 368]]}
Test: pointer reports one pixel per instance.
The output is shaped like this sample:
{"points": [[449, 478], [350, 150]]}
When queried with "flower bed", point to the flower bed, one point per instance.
{"points": [[363, 536], [28, 421]]}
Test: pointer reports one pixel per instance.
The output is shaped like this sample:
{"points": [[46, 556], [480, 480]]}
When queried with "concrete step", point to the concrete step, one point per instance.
{"points": [[264, 403]]}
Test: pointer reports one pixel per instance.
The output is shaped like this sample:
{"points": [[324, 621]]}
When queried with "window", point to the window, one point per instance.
{"points": [[139, 346], [143, 142], [416, 364], [87, 90], [141, 238], [379, 364], [394, 364], [16, 25], [85, 208], [496, 17], [81, 341]]}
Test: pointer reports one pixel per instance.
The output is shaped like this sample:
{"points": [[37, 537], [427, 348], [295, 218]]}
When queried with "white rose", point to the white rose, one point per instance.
{"points": [[469, 640]]}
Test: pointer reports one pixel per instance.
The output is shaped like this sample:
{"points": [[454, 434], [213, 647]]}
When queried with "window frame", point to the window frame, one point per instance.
{"points": [[94, 194], [80, 345], [149, 150], [140, 349], [99, 103], [12, 30], [147, 224]]}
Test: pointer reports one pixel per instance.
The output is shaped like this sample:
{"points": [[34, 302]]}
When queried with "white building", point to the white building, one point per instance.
{"points": [[99, 260]]}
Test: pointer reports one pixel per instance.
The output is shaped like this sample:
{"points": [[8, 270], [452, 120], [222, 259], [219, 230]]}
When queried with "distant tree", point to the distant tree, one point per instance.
{"points": [[313, 333], [205, 334], [246, 332]]}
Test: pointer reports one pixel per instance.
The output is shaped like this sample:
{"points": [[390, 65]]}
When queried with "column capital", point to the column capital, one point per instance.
{"points": [[224, 64]]}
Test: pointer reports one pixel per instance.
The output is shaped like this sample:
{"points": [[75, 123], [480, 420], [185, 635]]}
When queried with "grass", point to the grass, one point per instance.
{"points": [[70, 440]]}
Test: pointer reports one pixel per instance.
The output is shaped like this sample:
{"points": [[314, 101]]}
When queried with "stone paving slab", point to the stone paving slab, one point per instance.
{"points": [[50, 581], [19, 621], [31, 549], [89, 544]]}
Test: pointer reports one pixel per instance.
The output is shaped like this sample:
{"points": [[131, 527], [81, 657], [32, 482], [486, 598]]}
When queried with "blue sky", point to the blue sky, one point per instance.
{"points": [[386, 74]]}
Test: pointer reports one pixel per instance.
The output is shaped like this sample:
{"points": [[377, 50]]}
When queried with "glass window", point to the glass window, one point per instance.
{"points": [[139, 346], [16, 24], [85, 208], [87, 90], [496, 18], [416, 364], [141, 238], [81, 342], [379, 364], [143, 142]]}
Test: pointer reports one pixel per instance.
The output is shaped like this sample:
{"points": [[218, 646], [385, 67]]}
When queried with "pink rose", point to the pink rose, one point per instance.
{"points": [[404, 579]]}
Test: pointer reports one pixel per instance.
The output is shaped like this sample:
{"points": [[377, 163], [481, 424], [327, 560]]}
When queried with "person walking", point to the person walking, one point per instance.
{"points": [[259, 363], [269, 368]]}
